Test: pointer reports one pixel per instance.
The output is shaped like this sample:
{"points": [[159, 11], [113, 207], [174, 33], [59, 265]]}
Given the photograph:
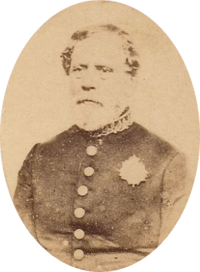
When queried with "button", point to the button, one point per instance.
{"points": [[88, 171], [79, 234], [79, 212], [82, 190], [78, 254], [91, 150]]}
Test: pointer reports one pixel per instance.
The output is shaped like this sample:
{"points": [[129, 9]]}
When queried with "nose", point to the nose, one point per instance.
{"points": [[87, 88], [88, 79]]}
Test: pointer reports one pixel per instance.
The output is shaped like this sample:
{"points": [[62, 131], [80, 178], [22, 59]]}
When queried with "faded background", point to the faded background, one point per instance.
{"points": [[36, 102]]}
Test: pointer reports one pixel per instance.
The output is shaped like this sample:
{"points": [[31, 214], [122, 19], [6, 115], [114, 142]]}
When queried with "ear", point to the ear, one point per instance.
{"points": [[131, 85]]}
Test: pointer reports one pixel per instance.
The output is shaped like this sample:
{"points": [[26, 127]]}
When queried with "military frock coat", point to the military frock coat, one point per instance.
{"points": [[101, 203]]}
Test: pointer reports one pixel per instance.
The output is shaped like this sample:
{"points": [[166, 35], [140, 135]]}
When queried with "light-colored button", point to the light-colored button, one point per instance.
{"points": [[82, 190], [65, 243], [79, 234], [88, 171], [79, 212], [91, 150], [78, 254]]}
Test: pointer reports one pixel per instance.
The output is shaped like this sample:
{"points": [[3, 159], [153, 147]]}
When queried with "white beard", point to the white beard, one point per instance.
{"points": [[92, 117]]}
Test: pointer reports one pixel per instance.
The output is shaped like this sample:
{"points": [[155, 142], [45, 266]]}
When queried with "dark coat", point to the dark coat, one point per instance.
{"points": [[122, 215]]}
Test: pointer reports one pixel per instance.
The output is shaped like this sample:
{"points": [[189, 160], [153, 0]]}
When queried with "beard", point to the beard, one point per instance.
{"points": [[91, 116]]}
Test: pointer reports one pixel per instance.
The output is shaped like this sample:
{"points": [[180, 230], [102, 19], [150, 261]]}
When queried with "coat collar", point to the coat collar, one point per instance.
{"points": [[123, 122]]}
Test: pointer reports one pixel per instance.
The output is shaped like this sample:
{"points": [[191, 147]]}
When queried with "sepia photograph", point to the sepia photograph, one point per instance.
{"points": [[99, 138]]}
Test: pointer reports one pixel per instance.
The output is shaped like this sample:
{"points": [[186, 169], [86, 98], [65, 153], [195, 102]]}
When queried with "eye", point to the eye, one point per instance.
{"points": [[104, 69], [77, 69]]}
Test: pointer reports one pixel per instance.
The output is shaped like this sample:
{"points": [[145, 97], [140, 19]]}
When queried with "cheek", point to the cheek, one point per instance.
{"points": [[74, 85], [123, 87], [116, 87], [116, 93], [105, 90]]}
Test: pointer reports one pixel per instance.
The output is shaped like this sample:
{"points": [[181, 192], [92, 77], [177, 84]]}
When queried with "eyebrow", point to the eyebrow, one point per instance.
{"points": [[81, 65]]}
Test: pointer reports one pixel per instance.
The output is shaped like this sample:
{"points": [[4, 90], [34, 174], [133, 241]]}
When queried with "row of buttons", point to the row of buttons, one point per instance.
{"points": [[80, 212]]}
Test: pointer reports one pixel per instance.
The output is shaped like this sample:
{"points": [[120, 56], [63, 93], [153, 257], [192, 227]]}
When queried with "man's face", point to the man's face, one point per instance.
{"points": [[99, 84]]}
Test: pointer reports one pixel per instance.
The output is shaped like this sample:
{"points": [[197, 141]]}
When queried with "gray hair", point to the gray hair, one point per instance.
{"points": [[132, 56]]}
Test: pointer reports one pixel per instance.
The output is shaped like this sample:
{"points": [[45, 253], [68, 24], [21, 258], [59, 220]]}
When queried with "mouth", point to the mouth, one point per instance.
{"points": [[89, 102]]}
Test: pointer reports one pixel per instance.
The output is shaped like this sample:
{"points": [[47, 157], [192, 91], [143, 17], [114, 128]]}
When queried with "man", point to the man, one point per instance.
{"points": [[105, 193]]}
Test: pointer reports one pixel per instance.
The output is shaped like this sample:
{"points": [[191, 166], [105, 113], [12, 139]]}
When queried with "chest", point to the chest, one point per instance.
{"points": [[90, 177]]}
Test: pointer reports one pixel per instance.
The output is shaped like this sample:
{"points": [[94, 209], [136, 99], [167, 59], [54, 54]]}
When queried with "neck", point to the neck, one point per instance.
{"points": [[123, 122]]}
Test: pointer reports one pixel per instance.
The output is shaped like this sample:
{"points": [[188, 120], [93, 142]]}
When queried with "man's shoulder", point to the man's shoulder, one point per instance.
{"points": [[137, 137], [63, 136], [149, 144], [60, 141]]}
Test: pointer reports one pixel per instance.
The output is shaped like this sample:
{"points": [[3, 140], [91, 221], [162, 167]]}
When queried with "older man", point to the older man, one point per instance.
{"points": [[103, 194]]}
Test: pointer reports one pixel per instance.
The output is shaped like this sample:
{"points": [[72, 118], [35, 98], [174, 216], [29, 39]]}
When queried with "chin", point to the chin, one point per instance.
{"points": [[92, 118], [87, 126], [90, 123]]}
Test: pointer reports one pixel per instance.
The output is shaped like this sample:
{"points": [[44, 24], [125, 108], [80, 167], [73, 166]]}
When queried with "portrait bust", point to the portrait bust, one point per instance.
{"points": [[106, 186], [106, 192]]}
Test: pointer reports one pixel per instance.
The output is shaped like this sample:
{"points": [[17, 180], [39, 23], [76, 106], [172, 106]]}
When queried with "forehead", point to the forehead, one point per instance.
{"points": [[101, 47]]}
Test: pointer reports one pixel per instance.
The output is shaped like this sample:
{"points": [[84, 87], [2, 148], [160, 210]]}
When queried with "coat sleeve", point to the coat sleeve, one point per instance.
{"points": [[174, 194], [23, 197]]}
